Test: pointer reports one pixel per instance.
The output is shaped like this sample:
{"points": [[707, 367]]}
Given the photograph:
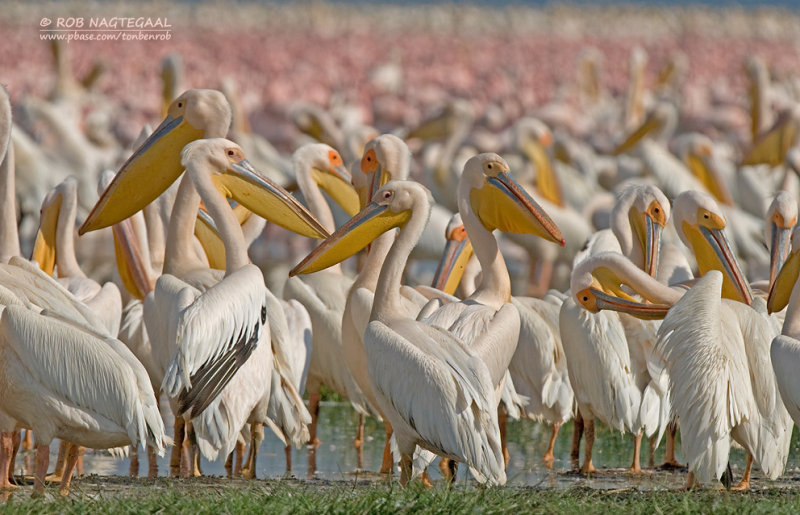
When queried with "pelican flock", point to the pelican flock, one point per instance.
{"points": [[438, 262]]}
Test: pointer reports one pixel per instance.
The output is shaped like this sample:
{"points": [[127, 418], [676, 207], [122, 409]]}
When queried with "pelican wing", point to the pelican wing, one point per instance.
{"points": [[450, 403], [599, 366], [214, 337], [84, 369], [710, 381], [539, 367], [785, 357]]}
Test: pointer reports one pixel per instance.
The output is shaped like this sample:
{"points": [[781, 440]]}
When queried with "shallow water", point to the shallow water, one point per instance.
{"points": [[527, 441]]}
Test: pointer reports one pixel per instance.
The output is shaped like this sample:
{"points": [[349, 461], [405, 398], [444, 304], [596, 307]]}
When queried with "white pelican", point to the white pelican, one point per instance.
{"points": [[785, 348], [177, 310], [486, 321], [435, 392], [91, 391], [55, 250], [324, 294], [538, 370], [739, 397], [386, 156]]}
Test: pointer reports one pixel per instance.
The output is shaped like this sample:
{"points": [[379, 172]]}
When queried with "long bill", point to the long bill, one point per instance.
{"points": [[501, 203], [251, 189], [779, 249], [353, 236], [781, 289], [457, 252], [337, 183], [152, 168], [734, 285], [44, 250]]}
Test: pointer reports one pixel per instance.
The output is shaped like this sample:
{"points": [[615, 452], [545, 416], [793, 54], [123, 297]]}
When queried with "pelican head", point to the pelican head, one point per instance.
{"points": [[457, 252], [781, 219], [156, 164], [316, 122], [638, 219], [44, 250], [235, 178], [391, 207], [385, 158], [697, 151], [499, 202], [597, 283], [781, 288], [701, 225], [661, 121], [328, 171], [532, 137]]}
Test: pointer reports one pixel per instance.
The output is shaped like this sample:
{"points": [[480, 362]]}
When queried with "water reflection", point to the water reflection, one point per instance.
{"points": [[527, 442]]}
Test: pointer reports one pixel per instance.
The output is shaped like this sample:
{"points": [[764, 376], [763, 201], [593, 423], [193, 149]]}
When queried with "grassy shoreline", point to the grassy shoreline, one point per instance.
{"points": [[207, 495]]}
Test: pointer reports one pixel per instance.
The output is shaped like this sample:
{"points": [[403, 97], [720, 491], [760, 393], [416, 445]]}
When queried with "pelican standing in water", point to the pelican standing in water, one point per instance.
{"points": [[206, 325], [489, 198]]}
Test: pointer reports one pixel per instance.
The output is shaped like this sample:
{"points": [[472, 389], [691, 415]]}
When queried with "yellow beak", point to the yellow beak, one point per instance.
{"points": [[44, 250], [154, 166], [263, 197], [337, 183], [650, 124], [457, 252], [502, 204], [713, 252], [546, 180], [781, 290], [374, 220], [377, 178], [129, 261]]}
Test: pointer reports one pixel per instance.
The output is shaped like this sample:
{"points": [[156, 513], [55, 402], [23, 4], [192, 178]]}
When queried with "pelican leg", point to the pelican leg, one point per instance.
{"points": [[358, 442], [577, 433], [79, 464], [6, 460], [133, 470], [152, 462], [313, 441], [744, 484], [27, 445], [257, 432], [41, 461], [405, 469], [502, 422], [58, 473], [651, 459], [238, 458], [588, 466], [386, 463], [177, 449], [548, 457], [194, 452], [636, 467], [452, 466], [229, 465], [186, 452], [445, 469], [73, 453], [287, 451], [690, 482], [669, 449], [15, 439]]}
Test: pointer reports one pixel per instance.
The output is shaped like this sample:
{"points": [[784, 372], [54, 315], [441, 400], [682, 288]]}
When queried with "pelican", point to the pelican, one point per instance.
{"points": [[484, 323], [538, 370], [785, 348], [324, 294], [740, 398], [435, 392], [54, 250], [189, 299]]}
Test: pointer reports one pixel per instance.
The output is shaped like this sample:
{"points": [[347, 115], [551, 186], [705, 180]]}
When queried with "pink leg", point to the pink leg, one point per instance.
{"points": [[41, 462], [73, 453], [6, 460]]}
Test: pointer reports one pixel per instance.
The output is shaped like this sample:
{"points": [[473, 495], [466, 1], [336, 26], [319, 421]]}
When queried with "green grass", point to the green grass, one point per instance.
{"points": [[162, 496]]}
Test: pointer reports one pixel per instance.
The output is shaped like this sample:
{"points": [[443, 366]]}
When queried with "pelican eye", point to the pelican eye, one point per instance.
{"points": [[489, 166], [387, 195], [706, 216], [585, 298], [656, 210], [180, 104], [230, 152]]}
